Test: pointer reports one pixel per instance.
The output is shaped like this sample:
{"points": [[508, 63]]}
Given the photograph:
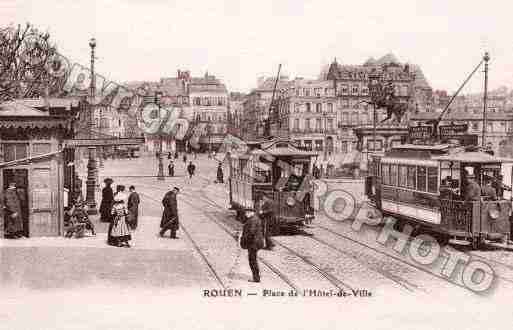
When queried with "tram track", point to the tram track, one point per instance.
{"points": [[196, 247], [334, 281], [233, 235]]}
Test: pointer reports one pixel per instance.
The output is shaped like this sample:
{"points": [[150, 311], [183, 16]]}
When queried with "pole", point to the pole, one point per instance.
{"points": [[325, 137], [91, 163], [160, 174], [486, 58]]}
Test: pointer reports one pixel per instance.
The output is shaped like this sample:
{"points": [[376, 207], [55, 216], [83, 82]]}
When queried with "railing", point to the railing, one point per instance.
{"points": [[457, 215]]}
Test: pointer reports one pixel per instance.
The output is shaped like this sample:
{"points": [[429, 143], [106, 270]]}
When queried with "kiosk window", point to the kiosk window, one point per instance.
{"points": [[432, 173], [403, 173], [393, 175], [421, 178]]}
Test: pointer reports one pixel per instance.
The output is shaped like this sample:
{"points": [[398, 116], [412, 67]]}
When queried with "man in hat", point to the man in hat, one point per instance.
{"points": [[252, 240], [171, 168], [472, 189], [169, 219], [133, 208], [190, 169], [265, 211], [12, 212]]}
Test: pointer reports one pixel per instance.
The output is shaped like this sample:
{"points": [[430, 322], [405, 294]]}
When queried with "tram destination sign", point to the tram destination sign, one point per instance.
{"points": [[420, 132], [453, 130]]}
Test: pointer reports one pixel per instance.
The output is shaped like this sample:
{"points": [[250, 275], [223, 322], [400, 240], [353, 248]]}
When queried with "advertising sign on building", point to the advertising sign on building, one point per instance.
{"points": [[420, 132]]}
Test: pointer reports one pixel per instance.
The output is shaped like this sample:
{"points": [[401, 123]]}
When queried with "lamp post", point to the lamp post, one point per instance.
{"points": [[91, 163], [160, 174], [374, 78]]}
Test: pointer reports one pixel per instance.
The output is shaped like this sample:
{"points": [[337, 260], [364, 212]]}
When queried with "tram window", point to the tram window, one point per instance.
{"points": [[384, 172], [393, 175], [421, 178], [411, 182], [432, 173], [403, 169]]}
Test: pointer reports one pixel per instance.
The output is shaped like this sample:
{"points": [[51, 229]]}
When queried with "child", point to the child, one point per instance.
{"points": [[120, 234]]}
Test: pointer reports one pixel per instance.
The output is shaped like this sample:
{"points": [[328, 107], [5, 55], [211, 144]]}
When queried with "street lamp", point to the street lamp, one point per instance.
{"points": [[374, 80], [160, 174], [91, 163]]}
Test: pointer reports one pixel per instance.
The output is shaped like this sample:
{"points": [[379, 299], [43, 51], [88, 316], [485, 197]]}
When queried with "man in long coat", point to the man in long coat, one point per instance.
{"points": [[472, 190], [169, 219], [220, 175], [133, 208], [107, 201], [252, 240], [12, 213]]}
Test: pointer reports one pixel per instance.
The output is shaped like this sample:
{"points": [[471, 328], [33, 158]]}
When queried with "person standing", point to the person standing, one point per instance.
{"points": [[252, 240], [184, 158], [487, 191], [120, 193], [171, 168], [169, 219], [120, 233], [190, 169], [220, 175], [266, 215], [107, 201], [12, 212], [133, 208], [472, 189]]}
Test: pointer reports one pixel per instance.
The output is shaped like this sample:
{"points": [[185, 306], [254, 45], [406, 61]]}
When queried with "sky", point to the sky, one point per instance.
{"points": [[239, 41]]}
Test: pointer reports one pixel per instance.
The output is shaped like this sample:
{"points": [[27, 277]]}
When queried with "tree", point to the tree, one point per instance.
{"points": [[28, 64]]}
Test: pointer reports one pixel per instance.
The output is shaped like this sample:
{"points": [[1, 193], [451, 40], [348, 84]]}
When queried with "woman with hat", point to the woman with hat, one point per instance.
{"points": [[120, 233], [107, 201]]}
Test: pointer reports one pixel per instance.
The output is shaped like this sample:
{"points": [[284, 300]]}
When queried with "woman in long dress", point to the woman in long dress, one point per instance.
{"points": [[120, 234], [107, 200]]}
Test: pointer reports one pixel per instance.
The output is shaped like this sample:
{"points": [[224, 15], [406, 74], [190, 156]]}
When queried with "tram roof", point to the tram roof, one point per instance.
{"points": [[470, 157], [284, 152]]}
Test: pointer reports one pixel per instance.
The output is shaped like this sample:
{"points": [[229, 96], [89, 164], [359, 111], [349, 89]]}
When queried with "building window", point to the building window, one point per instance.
{"points": [[344, 90], [296, 107], [345, 118], [503, 126], [308, 107], [330, 124], [296, 124], [318, 108], [364, 118], [306, 92], [475, 126], [318, 124], [317, 91], [308, 144], [330, 107], [13, 151], [318, 145], [354, 118], [326, 91], [307, 123], [365, 91], [354, 90], [345, 103], [344, 146], [377, 146]]}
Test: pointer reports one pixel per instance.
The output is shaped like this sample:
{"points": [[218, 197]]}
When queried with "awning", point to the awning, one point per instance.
{"points": [[409, 161]]}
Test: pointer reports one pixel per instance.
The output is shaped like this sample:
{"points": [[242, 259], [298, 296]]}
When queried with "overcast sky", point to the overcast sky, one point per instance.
{"points": [[240, 41]]}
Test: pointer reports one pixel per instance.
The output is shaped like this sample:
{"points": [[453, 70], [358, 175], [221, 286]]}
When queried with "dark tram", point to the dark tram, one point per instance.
{"points": [[279, 170]]}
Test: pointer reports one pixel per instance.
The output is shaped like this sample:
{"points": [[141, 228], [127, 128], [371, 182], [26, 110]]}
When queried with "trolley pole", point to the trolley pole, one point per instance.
{"points": [[486, 58]]}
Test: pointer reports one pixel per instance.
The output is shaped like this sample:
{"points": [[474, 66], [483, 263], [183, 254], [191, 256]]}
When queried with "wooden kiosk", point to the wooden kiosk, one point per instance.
{"points": [[33, 156]]}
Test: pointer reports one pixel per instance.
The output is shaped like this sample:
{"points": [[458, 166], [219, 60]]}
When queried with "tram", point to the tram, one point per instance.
{"points": [[279, 170], [425, 185]]}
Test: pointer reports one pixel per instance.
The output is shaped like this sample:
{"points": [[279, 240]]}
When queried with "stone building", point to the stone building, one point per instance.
{"points": [[256, 106], [355, 114], [209, 105], [235, 113]]}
